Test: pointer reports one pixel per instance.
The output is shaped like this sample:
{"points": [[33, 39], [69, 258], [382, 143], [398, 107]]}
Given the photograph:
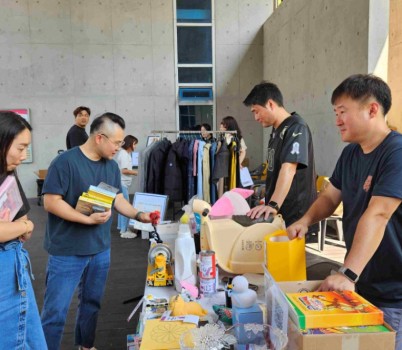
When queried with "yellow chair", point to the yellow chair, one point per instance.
{"points": [[322, 182]]}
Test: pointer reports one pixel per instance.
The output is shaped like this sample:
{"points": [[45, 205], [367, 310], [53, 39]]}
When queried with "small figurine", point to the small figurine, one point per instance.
{"points": [[242, 296]]}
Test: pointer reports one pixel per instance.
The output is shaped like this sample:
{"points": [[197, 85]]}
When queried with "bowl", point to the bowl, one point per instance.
{"points": [[249, 336]]}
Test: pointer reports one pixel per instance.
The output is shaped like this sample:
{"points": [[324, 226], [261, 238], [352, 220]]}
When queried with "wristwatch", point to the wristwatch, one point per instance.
{"points": [[349, 274], [274, 205]]}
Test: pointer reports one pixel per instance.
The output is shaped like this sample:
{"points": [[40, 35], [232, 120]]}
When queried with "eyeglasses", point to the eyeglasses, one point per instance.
{"points": [[117, 143]]}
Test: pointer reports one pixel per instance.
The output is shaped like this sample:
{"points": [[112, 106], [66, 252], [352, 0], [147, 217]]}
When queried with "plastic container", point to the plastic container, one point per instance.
{"points": [[185, 268]]}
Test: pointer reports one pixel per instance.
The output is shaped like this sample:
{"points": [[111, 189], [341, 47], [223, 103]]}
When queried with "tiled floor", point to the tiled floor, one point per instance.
{"points": [[333, 250]]}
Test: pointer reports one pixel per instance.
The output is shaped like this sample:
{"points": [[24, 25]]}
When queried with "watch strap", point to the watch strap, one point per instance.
{"points": [[274, 205], [349, 274]]}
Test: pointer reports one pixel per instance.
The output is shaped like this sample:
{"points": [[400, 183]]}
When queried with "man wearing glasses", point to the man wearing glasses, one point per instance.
{"points": [[79, 245], [77, 135]]}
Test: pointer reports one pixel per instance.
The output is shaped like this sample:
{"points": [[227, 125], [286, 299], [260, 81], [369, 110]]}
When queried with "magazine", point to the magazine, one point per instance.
{"points": [[10, 199]]}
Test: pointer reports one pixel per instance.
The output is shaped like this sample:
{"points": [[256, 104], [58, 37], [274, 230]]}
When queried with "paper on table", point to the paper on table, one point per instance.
{"points": [[159, 335], [245, 177]]}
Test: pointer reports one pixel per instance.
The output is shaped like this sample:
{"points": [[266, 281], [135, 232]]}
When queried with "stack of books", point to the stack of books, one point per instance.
{"points": [[96, 200], [334, 309]]}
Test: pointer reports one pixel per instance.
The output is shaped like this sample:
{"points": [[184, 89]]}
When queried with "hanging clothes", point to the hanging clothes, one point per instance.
{"points": [[221, 168], [200, 154], [206, 173], [190, 176], [212, 184], [143, 166], [156, 170], [195, 152], [175, 183]]}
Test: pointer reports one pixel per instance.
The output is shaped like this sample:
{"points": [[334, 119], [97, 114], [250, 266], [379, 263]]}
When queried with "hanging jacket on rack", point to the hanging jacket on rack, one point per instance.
{"points": [[190, 176], [143, 166], [175, 179], [156, 172], [206, 173], [213, 186], [221, 168]]}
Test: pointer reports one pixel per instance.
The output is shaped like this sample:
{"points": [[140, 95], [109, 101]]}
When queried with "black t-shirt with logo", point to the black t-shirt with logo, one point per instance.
{"points": [[359, 177], [292, 143]]}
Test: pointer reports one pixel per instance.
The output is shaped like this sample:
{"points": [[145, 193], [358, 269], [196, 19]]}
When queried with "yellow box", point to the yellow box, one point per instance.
{"points": [[285, 259]]}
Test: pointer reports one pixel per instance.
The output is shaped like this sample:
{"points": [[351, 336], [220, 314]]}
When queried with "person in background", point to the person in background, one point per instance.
{"points": [[291, 177], [206, 136], [77, 135], [367, 179], [79, 245], [124, 160], [230, 124], [19, 315]]}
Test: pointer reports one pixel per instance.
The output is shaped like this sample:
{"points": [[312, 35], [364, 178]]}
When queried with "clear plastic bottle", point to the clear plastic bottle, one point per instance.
{"points": [[185, 268]]}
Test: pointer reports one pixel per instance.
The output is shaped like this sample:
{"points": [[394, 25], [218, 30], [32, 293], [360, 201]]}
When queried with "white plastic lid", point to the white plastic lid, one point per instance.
{"points": [[184, 230]]}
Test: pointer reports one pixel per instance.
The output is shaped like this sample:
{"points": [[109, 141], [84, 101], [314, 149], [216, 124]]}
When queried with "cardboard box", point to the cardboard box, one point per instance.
{"points": [[355, 341], [41, 173]]}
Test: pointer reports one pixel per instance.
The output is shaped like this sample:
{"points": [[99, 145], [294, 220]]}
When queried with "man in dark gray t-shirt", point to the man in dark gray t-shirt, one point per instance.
{"points": [[367, 179]]}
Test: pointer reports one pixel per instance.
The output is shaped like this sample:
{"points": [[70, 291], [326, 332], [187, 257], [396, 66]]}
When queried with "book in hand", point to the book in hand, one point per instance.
{"points": [[96, 200], [10, 199], [334, 309]]}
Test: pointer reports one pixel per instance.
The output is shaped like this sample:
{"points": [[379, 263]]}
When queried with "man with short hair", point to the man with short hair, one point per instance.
{"points": [[79, 245], [291, 177], [367, 179], [77, 135]]}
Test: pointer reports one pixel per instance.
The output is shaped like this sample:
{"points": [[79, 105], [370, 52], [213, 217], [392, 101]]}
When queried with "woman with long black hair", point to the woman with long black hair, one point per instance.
{"points": [[19, 317]]}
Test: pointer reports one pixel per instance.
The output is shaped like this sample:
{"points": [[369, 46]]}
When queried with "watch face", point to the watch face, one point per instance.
{"points": [[349, 274]]}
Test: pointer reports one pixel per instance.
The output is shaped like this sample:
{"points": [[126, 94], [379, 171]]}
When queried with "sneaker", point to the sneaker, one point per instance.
{"points": [[128, 234]]}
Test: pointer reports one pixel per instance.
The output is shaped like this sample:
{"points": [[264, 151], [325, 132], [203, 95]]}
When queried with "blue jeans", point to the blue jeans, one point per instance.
{"points": [[122, 221], [394, 318], [64, 274], [19, 316]]}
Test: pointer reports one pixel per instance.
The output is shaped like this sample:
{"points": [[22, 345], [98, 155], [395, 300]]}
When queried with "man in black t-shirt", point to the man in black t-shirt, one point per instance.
{"points": [[291, 177], [367, 179], [77, 135]]}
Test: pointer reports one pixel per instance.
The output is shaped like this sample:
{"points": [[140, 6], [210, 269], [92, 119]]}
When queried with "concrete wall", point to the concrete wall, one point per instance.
{"points": [[117, 56], [309, 48], [239, 64], [395, 63], [109, 55]]}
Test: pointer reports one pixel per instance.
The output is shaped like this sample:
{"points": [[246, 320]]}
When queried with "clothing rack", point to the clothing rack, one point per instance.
{"points": [[192, 132]]}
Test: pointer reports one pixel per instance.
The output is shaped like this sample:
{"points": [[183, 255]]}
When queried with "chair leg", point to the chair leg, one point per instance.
{"points": [[323, 234], [339, 229]]}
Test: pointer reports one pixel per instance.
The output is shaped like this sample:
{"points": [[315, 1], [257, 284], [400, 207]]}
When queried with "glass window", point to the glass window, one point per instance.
{"points": [[195, 75], [195, 94], [193, 11], [194, 45], [191, 117]]}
